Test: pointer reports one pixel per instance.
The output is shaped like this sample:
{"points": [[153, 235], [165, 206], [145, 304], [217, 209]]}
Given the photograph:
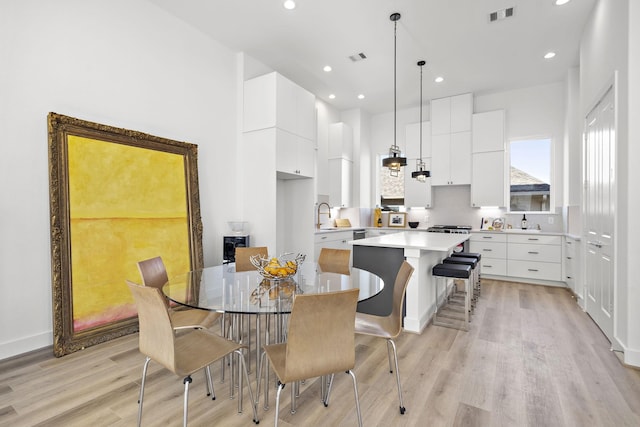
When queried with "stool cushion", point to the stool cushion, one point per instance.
{"points": [[458, 271], [475, 255], [461, 260]]}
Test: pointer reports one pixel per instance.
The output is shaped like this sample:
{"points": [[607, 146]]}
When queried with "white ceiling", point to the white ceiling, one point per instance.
{"points": [[455, 37]]}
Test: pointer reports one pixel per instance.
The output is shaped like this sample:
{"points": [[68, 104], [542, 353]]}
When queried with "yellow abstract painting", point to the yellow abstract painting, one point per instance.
{"points": [[126, 204]]}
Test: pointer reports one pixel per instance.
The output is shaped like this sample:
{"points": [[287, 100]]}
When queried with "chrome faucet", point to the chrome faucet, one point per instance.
{"points": [[328, 212]]}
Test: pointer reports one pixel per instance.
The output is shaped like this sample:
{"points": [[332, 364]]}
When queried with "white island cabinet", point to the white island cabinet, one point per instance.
{"points": [[423, 251]]}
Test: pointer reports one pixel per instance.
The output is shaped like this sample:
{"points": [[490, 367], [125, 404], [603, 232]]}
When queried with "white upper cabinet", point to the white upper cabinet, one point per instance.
{"points": [[461, 110], [488, 131], [340, 141], [451, 159], [272, 100], [488, 179], [295, 156], [416, 193], [412, 140], [451, 140], [488, 183], [452, 114]]}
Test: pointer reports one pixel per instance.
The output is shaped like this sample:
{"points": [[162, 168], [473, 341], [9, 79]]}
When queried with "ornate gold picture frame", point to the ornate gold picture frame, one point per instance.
{"points": [[117, 196]]}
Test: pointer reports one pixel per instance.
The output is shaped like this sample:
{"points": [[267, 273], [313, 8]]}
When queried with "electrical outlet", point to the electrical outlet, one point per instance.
{"points": [[550, 219]]}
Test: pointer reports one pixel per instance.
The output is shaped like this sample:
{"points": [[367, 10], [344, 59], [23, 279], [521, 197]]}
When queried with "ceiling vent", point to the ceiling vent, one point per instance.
{"points": [[501, 14], [358, 57]]}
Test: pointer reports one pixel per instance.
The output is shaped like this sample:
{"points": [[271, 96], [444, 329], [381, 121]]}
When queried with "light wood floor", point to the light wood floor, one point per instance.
{"points": [[531, 358]]}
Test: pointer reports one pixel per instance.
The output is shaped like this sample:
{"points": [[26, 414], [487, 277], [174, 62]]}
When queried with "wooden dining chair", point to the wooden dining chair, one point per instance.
{"points": [[243, 255], [334, 260], [389, 327], [154, 274], [320, 342], [183, 354]]}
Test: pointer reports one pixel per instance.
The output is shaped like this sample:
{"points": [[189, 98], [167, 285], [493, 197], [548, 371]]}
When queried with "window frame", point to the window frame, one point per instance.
{"points": [[552, 180]]}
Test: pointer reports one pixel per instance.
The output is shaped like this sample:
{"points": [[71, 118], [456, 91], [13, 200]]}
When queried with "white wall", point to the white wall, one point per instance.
{"points": [[120, 63], [610, 45]]}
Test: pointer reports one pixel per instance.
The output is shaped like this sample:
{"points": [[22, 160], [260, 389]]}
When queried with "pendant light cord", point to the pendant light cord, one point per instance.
{"points": [[421, 113], [395, 108]]}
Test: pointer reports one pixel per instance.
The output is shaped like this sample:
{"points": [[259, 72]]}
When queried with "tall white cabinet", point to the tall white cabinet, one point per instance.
{"points": [[278, 162], [340, 164], [451, 140], [488, 160]]}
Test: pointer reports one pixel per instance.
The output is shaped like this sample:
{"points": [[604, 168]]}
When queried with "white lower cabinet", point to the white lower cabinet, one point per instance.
{"points": [[493, 248], [519, 256], [571, 267], [332, 240], [534, 257]]}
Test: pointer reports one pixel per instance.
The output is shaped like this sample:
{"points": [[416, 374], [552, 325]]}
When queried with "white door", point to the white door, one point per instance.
{"points": [[599, 157]]}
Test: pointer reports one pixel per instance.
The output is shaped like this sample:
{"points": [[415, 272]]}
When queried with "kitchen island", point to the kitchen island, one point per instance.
{"points": [[382, 255]]}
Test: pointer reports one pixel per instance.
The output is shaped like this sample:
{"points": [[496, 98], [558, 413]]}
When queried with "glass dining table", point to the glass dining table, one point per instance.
{"points": [[222, 289]]}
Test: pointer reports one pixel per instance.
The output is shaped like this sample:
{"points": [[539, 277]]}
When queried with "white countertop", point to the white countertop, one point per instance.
{"points": [[410, 240]]}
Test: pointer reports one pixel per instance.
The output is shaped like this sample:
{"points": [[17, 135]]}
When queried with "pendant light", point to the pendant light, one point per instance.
{"points": [[395, 160], [420, 174]]}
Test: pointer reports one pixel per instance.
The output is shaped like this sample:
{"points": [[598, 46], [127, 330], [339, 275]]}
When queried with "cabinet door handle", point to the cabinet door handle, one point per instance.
{"points": [[487, 237], [323, 237], [488, 266], [569, 277], [532, 269], [569, 257], [532, 238], [487, 250], [533, 252]]}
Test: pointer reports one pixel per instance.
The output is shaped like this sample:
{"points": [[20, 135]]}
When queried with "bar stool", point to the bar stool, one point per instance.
{"points": [[451, 306], [473, 263], [477, 256]]}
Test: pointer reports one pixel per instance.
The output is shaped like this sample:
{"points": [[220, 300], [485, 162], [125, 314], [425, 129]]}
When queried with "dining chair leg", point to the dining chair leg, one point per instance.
{"points": [[326, 400], [187, 380], [210, 391], [395, 358], [355, 392], [141, 395], [254, 404], [280, 387], [389, 357]]}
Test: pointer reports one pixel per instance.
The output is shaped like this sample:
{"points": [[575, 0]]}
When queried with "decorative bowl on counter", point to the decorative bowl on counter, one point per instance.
{"points": [[282, 267], [413, 224]]}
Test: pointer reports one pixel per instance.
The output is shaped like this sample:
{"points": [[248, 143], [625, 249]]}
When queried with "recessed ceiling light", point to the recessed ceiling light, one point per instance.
{"points": [[289, 4], [561, 2], [327, 68], [332, 96], [439, 79], [361, 96], [549, 55]]}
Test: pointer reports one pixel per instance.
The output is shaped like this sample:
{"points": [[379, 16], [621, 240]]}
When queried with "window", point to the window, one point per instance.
{"points": [[530, 175], [391, 187]]}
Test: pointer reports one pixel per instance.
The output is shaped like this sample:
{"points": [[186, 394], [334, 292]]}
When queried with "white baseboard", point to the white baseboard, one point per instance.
{"points": [[25, 345], [631, 357]]}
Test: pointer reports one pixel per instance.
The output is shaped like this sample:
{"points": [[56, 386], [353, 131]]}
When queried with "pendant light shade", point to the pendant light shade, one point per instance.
{"points": [[395, 160], [421, 174]]}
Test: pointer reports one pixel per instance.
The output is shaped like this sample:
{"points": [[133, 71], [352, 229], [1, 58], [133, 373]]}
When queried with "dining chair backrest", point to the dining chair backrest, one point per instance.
{"points": [[399, 291], [156, 339], [320, 337], [334, 260], [153, 272], [242, 255]]}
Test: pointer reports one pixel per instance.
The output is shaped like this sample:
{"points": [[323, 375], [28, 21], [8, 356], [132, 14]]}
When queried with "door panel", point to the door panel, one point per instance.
{"points": [[599, 155]]}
